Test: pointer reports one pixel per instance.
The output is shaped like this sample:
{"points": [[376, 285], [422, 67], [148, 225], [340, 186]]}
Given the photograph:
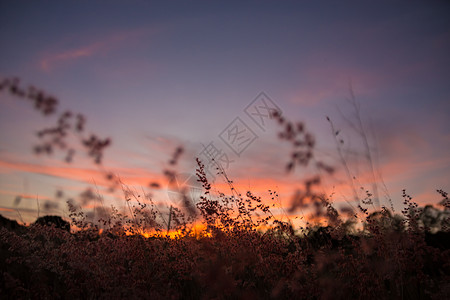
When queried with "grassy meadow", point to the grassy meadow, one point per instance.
{"points": [[227, 246]]}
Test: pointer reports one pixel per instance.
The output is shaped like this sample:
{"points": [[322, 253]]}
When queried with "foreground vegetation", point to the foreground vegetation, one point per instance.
{"points": [[389, 258], [225, 246]]}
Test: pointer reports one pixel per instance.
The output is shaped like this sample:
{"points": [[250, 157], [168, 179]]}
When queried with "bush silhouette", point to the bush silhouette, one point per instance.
{"points": [[55, 221]]}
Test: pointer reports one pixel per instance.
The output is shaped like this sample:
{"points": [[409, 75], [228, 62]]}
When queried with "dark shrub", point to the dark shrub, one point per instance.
{"points": [[10, 224], [57, 221]]}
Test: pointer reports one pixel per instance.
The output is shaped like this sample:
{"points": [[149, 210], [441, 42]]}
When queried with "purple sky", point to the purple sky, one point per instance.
{"points": [[154, 76]]}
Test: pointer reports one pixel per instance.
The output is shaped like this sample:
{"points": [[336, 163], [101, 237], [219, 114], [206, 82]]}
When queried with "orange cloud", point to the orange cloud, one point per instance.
{"points": [[78, 174], [24, 195], [6, 209], [397, 173], [258, 186], [128, 176]]}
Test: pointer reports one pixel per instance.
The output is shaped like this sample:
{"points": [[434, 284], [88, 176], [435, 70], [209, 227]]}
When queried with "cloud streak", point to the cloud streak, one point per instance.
{"points": [[101, 46], [133, 176]]}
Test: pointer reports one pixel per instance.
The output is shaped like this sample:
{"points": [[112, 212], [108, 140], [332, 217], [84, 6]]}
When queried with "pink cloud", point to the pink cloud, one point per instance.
{"points": [[52, 60], [324, 81]]}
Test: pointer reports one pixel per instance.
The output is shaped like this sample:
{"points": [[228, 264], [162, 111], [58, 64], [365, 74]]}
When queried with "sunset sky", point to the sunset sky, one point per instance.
{"points": [[155, 75]]}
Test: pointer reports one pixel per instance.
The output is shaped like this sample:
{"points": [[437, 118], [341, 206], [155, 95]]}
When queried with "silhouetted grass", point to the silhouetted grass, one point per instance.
{"points": [[229, 246]]}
